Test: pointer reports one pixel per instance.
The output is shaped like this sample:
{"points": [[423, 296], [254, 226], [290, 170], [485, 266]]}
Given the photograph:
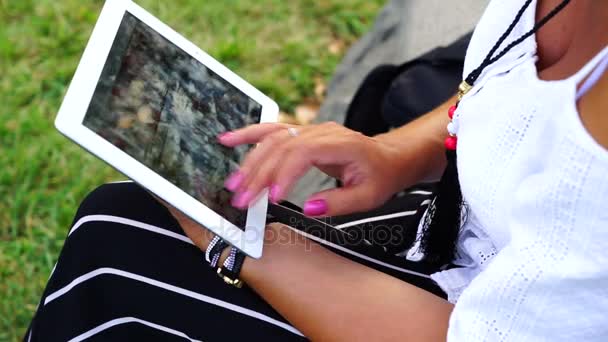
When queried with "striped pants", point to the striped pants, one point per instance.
{"points": [[127, 271]]}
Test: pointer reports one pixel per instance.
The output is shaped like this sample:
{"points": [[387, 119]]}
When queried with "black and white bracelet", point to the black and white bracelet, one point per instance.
{"points": [[231, 268], [214, 251]]}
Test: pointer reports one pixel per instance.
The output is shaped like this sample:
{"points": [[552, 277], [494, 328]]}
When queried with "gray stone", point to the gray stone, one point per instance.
{"points": [[403, 30]]}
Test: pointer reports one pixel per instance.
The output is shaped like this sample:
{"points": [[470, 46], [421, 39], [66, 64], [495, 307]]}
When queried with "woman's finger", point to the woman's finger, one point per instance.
{"points": [[256, 170], [250, 134], [274, 152], [257, 181], [345, 200], [259, 168], [328, 144], [270, 145], [241, 177], [325, 150], [342, 201], [271, 155]]}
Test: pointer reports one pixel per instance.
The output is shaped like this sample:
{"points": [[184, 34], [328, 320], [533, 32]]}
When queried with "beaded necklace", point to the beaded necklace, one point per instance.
{"points": [[444, 216], [468, 83]]}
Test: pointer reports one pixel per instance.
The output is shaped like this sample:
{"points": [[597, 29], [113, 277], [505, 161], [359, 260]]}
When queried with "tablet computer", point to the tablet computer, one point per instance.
{"points": [[151, 104]]}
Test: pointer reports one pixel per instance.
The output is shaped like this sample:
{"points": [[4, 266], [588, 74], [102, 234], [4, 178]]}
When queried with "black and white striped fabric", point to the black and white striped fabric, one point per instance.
{"points": [[127, 271]]}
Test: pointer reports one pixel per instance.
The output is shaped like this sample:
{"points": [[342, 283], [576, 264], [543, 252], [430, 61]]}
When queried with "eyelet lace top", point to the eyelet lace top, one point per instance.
{"points": [[534, 248]]}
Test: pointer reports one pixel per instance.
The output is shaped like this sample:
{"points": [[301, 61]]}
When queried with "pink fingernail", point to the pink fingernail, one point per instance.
{"points": [[224, 136], [315, 207], [234, 181], [242, 199], [275, 193]]}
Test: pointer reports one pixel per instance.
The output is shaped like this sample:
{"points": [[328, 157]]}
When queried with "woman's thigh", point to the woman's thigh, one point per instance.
{"points": [[128, 272]]}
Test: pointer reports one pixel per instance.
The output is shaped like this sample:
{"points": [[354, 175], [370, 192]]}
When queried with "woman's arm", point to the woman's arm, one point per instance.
{"points": [[592, 109], [422, 145], [330, 298], [324, 295]]}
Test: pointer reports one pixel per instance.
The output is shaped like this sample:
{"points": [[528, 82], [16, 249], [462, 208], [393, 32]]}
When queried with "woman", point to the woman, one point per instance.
{"points": [[529, 261]]}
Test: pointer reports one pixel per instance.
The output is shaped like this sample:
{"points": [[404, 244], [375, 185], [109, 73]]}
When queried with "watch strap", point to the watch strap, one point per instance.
{"points": [[231, 268]]}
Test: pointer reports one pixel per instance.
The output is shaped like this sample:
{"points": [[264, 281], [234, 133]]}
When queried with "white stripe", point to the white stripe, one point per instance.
{"points": [[52, 271], [364, 257], [106, 270], [384, 217], [420, 192], [425, 202], [376, 218], [348, 251], [128, 222], [125, 320], [122, 181]]}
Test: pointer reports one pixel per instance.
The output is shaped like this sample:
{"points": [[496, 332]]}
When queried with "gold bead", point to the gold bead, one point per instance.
{"points": [[463, 88]]}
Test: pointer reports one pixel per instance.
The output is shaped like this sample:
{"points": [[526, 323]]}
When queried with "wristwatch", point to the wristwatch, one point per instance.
{"points": [[231, 268]]}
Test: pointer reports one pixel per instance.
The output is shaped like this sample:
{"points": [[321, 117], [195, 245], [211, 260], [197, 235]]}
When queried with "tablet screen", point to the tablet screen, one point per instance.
{"points": [[165, 109]]}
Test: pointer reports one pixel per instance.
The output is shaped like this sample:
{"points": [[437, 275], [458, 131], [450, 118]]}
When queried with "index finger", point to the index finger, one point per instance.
{"points": [[250, 134]]}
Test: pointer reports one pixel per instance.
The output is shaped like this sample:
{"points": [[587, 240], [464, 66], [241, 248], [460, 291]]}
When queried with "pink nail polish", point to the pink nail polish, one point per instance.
{"points": [[275, 193], [242, 199], [224, 136], [234, 181], [315, 207]]}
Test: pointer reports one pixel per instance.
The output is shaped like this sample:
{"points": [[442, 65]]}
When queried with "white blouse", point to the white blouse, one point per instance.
{"points": [[534, 248]]}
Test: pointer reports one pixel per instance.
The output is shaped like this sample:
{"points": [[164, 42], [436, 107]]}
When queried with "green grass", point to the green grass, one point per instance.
{"points": [[280, 46]]}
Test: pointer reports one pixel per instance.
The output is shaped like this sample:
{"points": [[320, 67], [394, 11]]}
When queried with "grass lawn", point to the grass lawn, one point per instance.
{"points": [[281, 46]]}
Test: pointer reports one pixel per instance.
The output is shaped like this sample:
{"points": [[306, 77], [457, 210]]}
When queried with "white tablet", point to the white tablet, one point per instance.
{"points": [[151, 104]]}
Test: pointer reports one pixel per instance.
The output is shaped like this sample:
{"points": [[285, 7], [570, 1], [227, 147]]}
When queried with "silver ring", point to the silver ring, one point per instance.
{"points": [[292, 131]]}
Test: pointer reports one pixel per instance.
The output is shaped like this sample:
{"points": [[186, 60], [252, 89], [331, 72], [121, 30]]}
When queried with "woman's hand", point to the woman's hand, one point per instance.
{"points": [[363, 164]]}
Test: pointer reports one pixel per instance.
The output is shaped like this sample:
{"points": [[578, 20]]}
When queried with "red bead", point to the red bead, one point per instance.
{"points": [[451, 111], [450, 143]]}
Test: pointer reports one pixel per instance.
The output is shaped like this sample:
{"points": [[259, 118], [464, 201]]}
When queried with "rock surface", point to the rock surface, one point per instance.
{"points": [[403, 30], [165, 109]]}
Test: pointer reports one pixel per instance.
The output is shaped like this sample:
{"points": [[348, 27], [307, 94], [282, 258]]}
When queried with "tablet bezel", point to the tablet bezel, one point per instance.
{"points": [[76, 102]]}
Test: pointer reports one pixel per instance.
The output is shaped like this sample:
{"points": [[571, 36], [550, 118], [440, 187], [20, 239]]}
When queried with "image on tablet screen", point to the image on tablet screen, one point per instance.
{"points": [[165, 109]]}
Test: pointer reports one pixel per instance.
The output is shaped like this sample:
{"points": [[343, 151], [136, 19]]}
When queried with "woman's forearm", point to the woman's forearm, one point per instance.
{"points": [[331, 298], [421, 144]]}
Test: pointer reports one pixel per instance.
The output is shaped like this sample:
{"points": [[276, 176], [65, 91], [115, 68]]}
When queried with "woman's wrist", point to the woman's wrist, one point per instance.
{"points": [[413, 158], [280, 243], [275, 234], [420, 146]]}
